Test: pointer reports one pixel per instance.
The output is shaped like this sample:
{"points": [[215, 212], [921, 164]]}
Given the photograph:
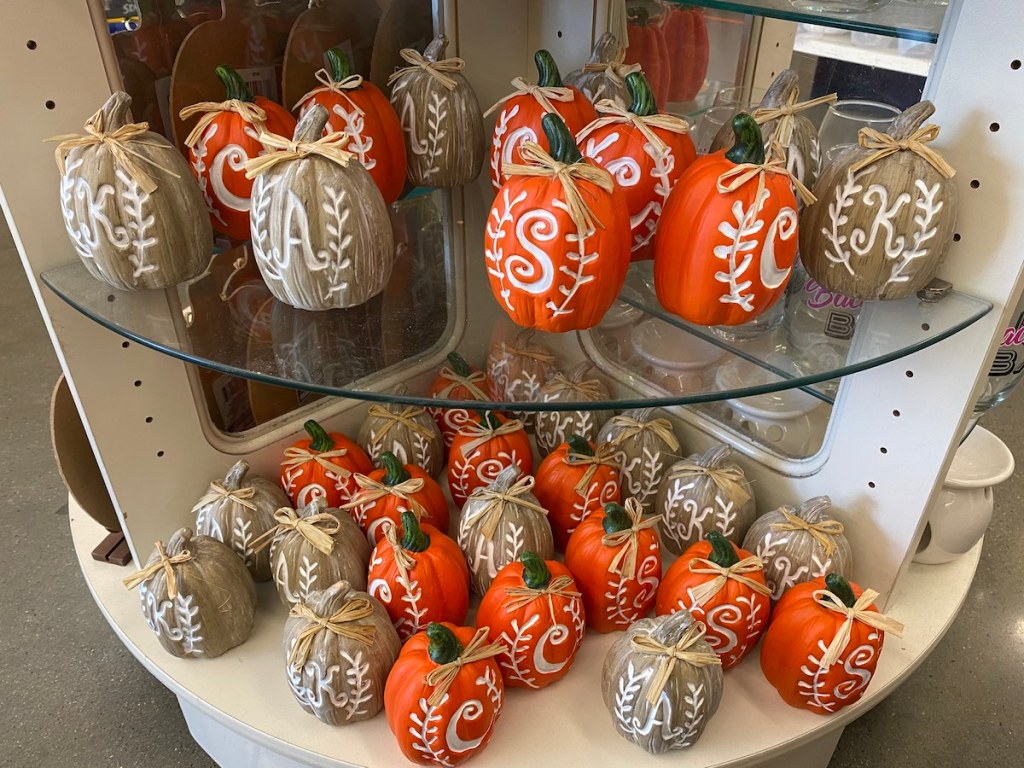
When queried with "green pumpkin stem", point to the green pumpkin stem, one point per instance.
{"points": [[234, 86], [643, 103], [443, 646], [749, 146], [615, 518], [413, 537], [394, 472], [563, 145], [339, 64], [488, 419], [459, 364], [535, 571], [321, 440], [547, 70], [723, 553], [841, 588], [579, 446]]}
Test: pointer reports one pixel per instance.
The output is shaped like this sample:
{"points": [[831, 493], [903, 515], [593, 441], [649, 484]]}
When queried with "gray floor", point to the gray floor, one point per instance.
{"points": [[73, 696]]}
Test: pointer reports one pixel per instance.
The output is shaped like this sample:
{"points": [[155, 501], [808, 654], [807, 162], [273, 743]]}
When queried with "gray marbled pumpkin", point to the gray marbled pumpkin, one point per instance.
{"points": [[554, 427], [645, 446], [126, 236], [321, 234], [604, 75], [387, 428]]}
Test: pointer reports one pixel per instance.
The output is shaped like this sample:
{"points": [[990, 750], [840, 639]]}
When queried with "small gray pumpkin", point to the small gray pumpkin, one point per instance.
{"points": [[554, 427], [209, 604], [321, 234], [789, 541], [407, 431], [126, 235], [237, 511], [704, 493], [340, 677], [604, 74], [691, 693], [517, 370], [645, 446]]}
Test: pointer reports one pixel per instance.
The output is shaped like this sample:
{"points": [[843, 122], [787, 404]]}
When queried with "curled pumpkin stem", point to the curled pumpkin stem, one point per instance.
{"points": [[723, 553], [749, 145], [547, 70], [615, 518], [579, 446], [643, 104], [442, 646], [535, 571], [841, 588], [321, 440], [459, 364], [563, 145], [339, 64], [234, 86], [413, 537], [394, 472]]}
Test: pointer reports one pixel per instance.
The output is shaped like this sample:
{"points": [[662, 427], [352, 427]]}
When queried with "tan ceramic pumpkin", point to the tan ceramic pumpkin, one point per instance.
{"points": [[407, 431], [517, 370], [604, 75], [554, 427], [645, 446]]}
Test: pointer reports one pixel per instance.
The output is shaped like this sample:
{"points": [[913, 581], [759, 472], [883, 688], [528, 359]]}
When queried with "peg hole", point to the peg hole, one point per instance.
{"points": [[560, 34], [975, 183], [925, 327], [871, 483], [1015, 64], [896, 414], [957, 237], [31, 45], [910, 374], [110, 297], [149, 419], [883, 449], [159, 454], [51, 104], [138, 382], [125, 345], [994, 127]]}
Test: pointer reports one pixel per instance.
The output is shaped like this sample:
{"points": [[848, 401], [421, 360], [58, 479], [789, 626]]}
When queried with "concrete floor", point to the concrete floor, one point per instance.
{"points": [[73, 696]]}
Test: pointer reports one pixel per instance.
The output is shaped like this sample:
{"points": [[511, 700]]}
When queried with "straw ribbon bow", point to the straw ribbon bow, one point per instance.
{"points": [[165, 564], [218, 492], [557, 587], [471, 382], [495, 502], [316, 529], [729, 479], [339, 87], [330, 147], [631, 428], [602, 458], [294, 456], [442, 677], [371, 490], [613, 70], [824, 532], [626, 540], [614, 114], [543, 94], [539, 356], [670, 654], [589, 389], [859, 612], [740, 174], [210, 110], [704, 592], [436, 69], [403, 560], [340, 623], [405, 418], [482, 434], [785, 113], [885, 145]]}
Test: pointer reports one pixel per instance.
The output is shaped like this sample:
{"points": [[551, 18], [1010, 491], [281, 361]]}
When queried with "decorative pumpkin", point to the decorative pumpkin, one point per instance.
{"points": [[197, 596], [701, 494], [727, 238], [554, 427], [645, 152], [662, 683], [339, 647], [516, 372], [237, 511], [722, 586], [501, 522], [686, 40], [616, 560], [519, 118], [444, 694], [482, 449], [604, 75], [533, 610], [313, 547], [388, 492], [647, 48], [133, 216], [440, 116], [320, 230], [887, 213], [575, 481], [456, 381], [557, 238], [358, 109], [419, 575], [799, 545], [644, 447], [322, 466], [407, 431], [822, 647], [224, 139]]}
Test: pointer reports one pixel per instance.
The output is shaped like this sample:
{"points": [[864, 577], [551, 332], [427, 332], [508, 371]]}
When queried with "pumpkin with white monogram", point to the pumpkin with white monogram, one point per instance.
{"points": [[456, 381], [517, 370], [321, 234], [130, 207], [604, 74], [885, 214], [704, 493], [237, 511], [407, 431], [197, 596], [800, 545], [339, 647], [645, 445], [554, 427]]}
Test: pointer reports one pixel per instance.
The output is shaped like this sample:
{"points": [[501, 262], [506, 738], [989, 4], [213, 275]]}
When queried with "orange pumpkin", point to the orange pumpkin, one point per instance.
{"points": [[519, 118], [646, 153], [322, 465], [481, 449], [573, 482], [456, 381], [534, 610], [686, 39], [420, 577], [223, 141], [647, 47], [553, 264], [358, 108], [736, 612], [728, 235], [386, 493], [798, 646], [616, 560]]}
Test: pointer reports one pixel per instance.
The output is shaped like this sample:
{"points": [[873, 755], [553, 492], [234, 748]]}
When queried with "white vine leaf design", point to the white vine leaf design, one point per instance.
{"points": [[494, 253], [846, 196], [925, 229], [424, 731], [137, 223], [177, 620], [340, 263], [241, 539], [515, 660], [438, 111], [267, 254], [739, 253], [577, 274], [307, 576], [500, 129], [354, 124]]}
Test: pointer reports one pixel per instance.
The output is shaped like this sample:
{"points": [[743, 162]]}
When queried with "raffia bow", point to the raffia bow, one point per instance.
{"points": [[785, 114], [631, 428], [859, 612], [615, 114], [471, 382], [737, 176], [371, 490], [729, 479], [885, 145], [218, 492], [560, 586], [482, 434], [338, 87], [540, 163], [442, 677], [340, 623], [670, 654], [165, 564], [209, 110], [543, 94], [495, 502], [624, 562], [403, 560], [614, 70], [824, 533], [330, 147], [737, 572], [589, 389], [436, 69], [295, 456], [405, 418], [545, 358], [603, 457], [317, 529]]}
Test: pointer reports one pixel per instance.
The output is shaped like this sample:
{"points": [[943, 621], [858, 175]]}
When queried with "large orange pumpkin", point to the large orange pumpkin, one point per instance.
{"points": [[728, 235], [519, 118], [557, 239], [686, 39], [795, 654], [223, 141], [482, 449], [535, 611], [456, 381], [444, 722], [419, 577], [647, 47], [645, 152], [358, 108], [573, 482], [723, 586], [616, 560], [322, 465]]}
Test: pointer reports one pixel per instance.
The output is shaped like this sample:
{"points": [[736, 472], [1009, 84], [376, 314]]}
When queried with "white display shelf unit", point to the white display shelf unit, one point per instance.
{"points": [[886, 55]]}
